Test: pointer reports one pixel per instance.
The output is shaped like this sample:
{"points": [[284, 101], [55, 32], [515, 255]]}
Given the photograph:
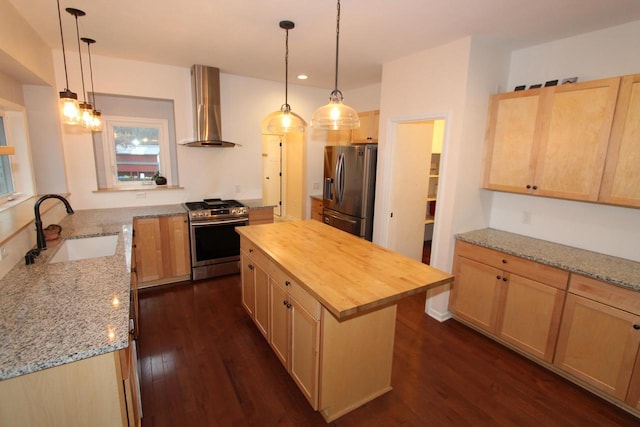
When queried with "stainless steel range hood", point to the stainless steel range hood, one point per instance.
{"points": [[205, 83]]}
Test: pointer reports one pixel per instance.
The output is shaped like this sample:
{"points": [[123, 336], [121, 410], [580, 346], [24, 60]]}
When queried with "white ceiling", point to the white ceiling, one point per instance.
{"points": [[243, 37]]}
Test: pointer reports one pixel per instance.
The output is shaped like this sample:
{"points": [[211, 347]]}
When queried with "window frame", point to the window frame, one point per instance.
{"points": [[110, 163]]}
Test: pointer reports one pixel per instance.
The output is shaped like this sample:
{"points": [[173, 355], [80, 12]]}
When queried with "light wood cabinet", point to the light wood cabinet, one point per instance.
{"points": [[295, 332], [621, 182], [260, 216], [600, 337], [316, 209], [161, 246], [367, 133], [517, 301], [98, 391], [255, 287], [550, 141]]}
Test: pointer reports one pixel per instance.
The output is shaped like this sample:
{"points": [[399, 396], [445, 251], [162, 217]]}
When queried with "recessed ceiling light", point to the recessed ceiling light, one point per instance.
{"points": [[302, 77]]}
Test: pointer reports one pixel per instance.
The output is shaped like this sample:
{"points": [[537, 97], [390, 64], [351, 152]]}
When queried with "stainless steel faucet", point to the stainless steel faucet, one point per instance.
{"points": [[42, 243]]}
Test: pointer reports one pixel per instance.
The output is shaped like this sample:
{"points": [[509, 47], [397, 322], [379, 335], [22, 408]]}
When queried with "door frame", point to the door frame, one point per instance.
{"points": [[445, 192]]}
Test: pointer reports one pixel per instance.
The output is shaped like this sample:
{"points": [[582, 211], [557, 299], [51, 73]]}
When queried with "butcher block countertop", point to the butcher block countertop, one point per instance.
{"points": [[346, 274]]}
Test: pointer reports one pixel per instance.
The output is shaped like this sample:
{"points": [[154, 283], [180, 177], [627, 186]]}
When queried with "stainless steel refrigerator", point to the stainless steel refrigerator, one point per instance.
{"points": [[349, 188]]}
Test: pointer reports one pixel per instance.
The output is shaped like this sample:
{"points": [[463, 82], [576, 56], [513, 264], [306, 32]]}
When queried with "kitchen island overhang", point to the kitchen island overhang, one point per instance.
{"points": [[356, 285]]}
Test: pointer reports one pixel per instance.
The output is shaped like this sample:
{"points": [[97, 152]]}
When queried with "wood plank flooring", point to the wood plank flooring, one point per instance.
{"points": [[204, 363]]}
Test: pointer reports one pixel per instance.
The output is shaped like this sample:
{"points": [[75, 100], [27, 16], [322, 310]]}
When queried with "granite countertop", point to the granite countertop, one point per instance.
{"points": [[616, 271], [256, 204], [52, 314]]}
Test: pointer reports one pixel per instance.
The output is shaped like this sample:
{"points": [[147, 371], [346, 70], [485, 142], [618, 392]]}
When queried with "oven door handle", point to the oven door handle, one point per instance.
{"points": [[223, 222]]}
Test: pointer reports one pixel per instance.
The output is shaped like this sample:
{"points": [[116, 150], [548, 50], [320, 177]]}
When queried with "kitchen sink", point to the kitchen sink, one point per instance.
{"points": [[86, 247]]}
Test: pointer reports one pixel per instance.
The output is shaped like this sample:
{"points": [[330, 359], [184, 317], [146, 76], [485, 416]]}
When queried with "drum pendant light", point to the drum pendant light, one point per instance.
{"points": [[96, 122], [336, 115], [68, 102], [85, 108], [287, 120]]}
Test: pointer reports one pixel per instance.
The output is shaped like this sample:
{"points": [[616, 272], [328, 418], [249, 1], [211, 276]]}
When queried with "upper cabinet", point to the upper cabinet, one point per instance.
{"points": [[368, 131], [621, 182], [553, 141]]}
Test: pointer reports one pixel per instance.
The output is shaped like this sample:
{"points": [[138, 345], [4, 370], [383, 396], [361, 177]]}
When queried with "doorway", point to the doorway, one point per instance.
{"points": [[414, 187], [272, 172]]}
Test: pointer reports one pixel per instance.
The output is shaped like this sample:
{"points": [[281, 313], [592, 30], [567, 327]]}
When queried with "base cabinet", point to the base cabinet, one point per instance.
{"points": [[516, 300], [91, 392], [161, 245], [599, 339]]}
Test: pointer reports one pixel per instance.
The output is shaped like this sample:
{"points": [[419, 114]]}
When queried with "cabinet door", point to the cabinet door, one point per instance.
{"points": [[279, 322], [621, 182], [511, 141], [175, 246], [148, 248], [261, 281], [576, 126], [305, 335], [598, 344], [530, 316], [475, 293], [247, 279]]}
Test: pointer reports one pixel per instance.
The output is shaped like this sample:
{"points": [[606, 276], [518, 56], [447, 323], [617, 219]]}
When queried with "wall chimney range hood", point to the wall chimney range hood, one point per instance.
{"points": [[205, 84]]}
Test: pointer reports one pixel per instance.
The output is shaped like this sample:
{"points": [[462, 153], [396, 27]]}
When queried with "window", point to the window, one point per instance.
{"points": [[135, 148], [6, 178], [138, 139]]}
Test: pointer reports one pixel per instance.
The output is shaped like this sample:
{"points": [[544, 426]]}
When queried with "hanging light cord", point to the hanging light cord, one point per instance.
{"points": [[84, 93], [336, 92], [64, 57], [286, 73], [91, 73]]}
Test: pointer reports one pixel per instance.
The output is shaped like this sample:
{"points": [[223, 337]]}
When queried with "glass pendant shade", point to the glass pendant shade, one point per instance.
{"points": [[286, 121], [86, 114], [335, 115], [68, 105], [96, 122]]}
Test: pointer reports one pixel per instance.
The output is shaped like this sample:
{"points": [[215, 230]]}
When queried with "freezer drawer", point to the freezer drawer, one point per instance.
{"points": [[356, 226]]}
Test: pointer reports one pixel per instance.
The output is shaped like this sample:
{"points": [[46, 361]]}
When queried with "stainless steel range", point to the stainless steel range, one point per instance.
{"points": [[215, 245]]}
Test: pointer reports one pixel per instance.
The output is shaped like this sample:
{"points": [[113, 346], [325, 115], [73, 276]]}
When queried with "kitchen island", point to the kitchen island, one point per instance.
{"points": [[326, 302]]}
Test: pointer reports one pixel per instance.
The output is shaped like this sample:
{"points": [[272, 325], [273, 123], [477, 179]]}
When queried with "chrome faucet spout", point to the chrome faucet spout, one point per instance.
{"points": [[41, 241]]}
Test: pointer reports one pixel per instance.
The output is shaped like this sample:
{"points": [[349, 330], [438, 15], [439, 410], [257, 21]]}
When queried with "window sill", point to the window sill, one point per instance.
{"points": [[140, 188]]}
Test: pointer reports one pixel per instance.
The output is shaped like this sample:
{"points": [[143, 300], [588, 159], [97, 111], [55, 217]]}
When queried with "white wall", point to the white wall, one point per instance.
{"points": [[203, 172], [454, 82], [606, 229]]}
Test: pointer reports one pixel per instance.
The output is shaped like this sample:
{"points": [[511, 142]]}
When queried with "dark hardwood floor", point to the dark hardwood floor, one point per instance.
{"points": [[204, 363]]}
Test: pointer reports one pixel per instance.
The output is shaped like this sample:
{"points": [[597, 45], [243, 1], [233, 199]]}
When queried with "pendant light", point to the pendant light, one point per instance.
{"points": [[68, 102], [85, 108], [96, 122], [286, 121], [336, 115]]}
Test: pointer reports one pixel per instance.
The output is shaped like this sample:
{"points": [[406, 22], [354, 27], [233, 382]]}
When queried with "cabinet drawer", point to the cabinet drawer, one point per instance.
{"points": [[256, 255], [616, 296], [302, 297], [523, 267]]}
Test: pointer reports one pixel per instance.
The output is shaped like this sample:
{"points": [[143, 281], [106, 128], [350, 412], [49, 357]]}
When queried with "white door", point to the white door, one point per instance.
{"points": [[272, 171], [410, 185]]}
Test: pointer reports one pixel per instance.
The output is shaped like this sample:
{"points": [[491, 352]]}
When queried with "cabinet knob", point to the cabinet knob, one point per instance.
{"points": [[287, 283], [636, 327]]}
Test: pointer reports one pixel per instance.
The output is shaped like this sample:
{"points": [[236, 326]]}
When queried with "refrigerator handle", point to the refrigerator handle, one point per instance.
{"points": [[327, 188]]}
